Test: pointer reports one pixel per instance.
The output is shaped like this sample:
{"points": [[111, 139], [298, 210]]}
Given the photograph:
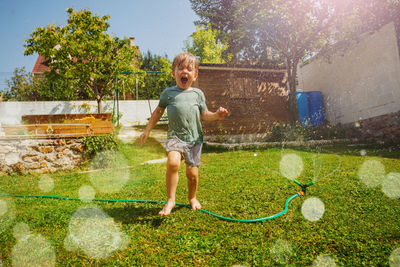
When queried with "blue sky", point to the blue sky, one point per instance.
{"points": [[160, 26]]}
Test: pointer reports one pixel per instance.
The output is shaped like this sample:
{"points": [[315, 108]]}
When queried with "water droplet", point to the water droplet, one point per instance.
{"points": [[391, 185], [113, 172], [11, 158], [7, 213], [46, 184], [281, 251], [394, 258], [87, 192], [324, 261], [21, 231], [313, 209], [3, 207], [92, 230], [371, 173], [70, 244], [35, 250], [124, 243], [291, 166]]}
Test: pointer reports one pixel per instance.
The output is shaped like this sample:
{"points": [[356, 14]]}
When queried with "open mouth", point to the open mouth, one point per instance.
{"points": [[184, 80]]}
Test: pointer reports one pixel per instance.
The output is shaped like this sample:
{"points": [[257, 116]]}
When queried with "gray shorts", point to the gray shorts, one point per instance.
{"points": [[190, 153]]}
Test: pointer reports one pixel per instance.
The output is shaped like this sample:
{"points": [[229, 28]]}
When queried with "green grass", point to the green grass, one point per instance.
{"points": [[360, 225]]}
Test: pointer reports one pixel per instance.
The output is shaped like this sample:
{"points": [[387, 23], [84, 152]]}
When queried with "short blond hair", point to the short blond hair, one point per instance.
{"points": [[185, 57]]}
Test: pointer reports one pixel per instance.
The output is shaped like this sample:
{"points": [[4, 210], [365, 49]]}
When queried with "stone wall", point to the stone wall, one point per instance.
{"points": [[39, 155], [380, 129]]}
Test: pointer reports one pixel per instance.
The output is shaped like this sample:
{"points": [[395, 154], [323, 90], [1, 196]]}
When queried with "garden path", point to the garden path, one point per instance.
{"points": [[128, 134]]}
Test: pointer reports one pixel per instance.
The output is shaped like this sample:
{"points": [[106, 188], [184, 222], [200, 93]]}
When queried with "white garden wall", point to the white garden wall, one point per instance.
{"points": [[362, 83], [133, 112]]}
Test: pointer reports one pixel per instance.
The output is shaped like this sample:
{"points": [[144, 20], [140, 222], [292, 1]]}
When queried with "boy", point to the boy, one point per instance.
{"points": [[185, 107]]}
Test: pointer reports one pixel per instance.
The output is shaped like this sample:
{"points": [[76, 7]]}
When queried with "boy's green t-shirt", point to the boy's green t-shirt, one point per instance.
{"points": [[184, 108]]}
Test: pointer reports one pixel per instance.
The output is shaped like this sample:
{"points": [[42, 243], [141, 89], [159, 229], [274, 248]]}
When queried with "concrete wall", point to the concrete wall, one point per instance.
{"points": [[134, 112], [362, 83]]}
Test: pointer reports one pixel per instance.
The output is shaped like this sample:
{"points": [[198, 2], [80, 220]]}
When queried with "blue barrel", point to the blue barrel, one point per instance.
{"points": [[316, 108], [303, 108]]}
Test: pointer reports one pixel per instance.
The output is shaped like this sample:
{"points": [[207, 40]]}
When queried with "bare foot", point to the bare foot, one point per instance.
{"points": [[195, 204], [167, 208]]}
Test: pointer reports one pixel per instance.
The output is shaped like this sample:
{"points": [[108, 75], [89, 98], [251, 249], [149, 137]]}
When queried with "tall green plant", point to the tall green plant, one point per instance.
{"points": [[97, 144], [21, 87], [157, 71], [84, 52], [292, 29], [233, 22], [203, 44]]}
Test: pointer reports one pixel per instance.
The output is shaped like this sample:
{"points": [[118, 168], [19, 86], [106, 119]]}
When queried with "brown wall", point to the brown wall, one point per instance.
{"points": [[254, 98]]}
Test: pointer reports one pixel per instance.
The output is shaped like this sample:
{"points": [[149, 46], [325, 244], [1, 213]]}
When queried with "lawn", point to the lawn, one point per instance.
{"points": [[350, 216]]}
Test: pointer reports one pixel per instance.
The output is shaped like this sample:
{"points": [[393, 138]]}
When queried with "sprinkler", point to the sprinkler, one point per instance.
{"points": [[299, 194], [303, 186]]}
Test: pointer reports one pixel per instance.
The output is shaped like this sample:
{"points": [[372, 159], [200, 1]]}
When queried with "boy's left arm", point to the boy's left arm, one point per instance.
{"points": [[213, 116]]}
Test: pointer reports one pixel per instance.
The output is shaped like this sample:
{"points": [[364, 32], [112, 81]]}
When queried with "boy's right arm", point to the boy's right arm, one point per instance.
{"points": [[155, 117]]}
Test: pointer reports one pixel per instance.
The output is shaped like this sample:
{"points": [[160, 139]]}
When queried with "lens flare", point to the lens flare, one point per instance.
{"points": [[21, 231], [35, 250], [324, 261], [11, 158], [3, 207], [46, 184], [112, 172], [391, 185], [291, 166], [371, 173], [394, 258], [313, 209], [92, 230], [7, 213], [281, 251], [87, 193], [70, 244]]}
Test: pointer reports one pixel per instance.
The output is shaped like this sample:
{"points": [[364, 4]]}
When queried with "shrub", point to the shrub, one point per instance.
{"points": [[96, 144]]}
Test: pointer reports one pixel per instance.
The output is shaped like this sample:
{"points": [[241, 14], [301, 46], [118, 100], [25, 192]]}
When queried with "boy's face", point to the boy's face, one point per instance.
{"points": [[184, 74]]}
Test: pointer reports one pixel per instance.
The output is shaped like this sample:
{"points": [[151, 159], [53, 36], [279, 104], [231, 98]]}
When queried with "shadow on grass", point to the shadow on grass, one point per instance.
{"points": [[143, 215], [377, 150]]}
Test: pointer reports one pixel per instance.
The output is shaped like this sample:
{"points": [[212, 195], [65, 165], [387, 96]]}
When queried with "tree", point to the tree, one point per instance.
{"points": [[295, 29], [233, 21], [21, 87], [82, 51], [157, 75], [54, 87], [203, 44], [299, 29]]}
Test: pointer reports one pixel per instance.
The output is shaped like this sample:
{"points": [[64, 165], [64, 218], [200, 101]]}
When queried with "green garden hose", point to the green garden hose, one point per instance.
{"points": [[301, 193]]}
